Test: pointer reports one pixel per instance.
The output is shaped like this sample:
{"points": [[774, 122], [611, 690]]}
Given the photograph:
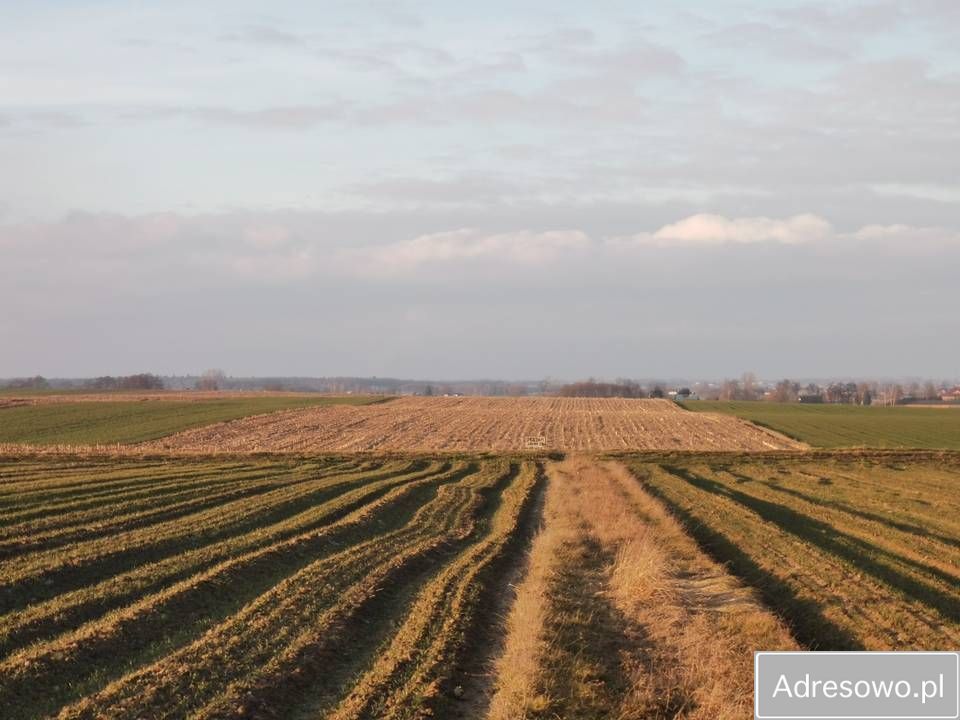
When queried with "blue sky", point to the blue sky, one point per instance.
{"points": [[444, 190]]}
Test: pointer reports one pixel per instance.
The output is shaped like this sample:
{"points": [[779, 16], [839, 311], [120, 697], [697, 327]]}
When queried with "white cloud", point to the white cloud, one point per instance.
{"points": [[709, 229], [167, 251], [466, 244], [905, 239]]}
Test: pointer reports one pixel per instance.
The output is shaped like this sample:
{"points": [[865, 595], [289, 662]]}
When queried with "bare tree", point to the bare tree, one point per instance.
{"points": [[212, 379], [785, 391], [730, 390], [891, 394]]}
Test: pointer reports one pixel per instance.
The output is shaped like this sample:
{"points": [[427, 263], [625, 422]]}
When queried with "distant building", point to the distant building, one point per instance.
{"points": [[684, 394], [810, 398], [951, 395]]}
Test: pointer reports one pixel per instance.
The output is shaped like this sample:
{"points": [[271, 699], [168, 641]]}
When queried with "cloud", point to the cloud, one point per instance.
{"points": [[315, 290], [787, 43], [296, 117], [708, 229], [264, 35], [163, 253], [525, 247], [854, 21]]}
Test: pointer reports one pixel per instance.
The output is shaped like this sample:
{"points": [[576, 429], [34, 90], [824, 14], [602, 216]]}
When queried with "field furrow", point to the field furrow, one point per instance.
{"points": [[843, 581], [68, 610], [290, 618], [415, 670], [34, 576]]}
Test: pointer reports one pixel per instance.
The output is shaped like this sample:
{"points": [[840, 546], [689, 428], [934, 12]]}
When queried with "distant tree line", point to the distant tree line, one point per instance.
{"points": [[850, 393], [590, 388], [141, 381], [37, 382]]}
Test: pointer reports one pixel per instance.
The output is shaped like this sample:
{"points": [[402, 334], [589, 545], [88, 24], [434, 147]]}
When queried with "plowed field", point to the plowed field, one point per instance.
{"points": [[481, 424]]}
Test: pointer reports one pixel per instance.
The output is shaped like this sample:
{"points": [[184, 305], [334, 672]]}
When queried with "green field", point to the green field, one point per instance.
{"points": [[854, 553], [93, 422], [835, 426]]}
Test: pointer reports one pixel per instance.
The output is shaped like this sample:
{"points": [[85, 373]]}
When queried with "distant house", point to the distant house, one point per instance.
{"points": [[810, 398], [684, 394], [951, 395]]}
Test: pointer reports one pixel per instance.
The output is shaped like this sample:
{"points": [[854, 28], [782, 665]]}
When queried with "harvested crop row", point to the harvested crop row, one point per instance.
{"points": [[68, 610], [917, 553], [101, 482], [57, 512], [410, 672], [116, 509], [844, 581], [293, 619], [28, 575], [73, 528], [175, 616], [470, 424]]}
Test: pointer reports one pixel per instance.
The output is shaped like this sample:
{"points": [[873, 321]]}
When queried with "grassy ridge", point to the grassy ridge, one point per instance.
{"points": [[854, 554], [126, 595], [90, 423], [834, 426]]}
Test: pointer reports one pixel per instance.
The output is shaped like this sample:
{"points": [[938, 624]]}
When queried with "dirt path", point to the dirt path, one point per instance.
{"points": [[621, 615]]}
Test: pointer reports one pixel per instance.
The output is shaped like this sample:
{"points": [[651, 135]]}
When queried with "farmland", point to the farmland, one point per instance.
{"points": [[417, 558], [621, 615], [114, 600], [833, 426], [481, 424], [94, 419], [854, 552]]}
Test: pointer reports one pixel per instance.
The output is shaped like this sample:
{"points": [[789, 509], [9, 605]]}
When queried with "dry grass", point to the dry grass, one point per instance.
{"points": [[516, 670], [699, 626], [622, 616]]}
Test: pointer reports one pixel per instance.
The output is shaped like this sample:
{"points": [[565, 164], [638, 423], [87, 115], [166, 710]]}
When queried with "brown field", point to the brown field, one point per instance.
{"points": [[480, 424]]}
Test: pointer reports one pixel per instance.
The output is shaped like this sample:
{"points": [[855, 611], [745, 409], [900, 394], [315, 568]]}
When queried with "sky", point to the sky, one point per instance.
{"points": [[464, 190]]}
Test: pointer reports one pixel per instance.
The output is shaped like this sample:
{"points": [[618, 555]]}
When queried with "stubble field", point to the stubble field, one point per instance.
{"points": [[481, 424]]}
